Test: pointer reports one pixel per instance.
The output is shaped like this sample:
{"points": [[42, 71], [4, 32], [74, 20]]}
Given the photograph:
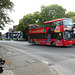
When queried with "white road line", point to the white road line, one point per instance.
{"points": [[45, 62]]}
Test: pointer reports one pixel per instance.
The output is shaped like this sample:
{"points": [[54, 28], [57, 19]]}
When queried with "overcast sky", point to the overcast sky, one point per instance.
{"points": [[23, 7]]}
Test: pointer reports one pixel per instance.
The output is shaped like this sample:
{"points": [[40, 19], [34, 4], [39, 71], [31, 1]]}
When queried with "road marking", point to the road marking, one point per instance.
{"points": [[52, 67], [56, 70], [8, 52], [45, 62]]}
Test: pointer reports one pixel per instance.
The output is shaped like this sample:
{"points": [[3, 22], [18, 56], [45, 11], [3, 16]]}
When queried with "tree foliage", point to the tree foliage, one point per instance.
{"points": [[51, 12], [5, 6], [24, 22], [10, 29], [73, 19], [70, 14]]}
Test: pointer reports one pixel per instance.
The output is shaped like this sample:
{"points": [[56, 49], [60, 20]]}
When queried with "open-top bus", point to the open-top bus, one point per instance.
{"points": [[56, 32]]}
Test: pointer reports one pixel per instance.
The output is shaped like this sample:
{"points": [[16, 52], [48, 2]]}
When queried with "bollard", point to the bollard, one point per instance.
{"points": [[1, 63]]}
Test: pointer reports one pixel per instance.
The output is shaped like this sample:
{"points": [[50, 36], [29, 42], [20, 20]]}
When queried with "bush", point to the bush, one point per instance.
{"points": [[8, 39], [14, 39], [21, 40]]}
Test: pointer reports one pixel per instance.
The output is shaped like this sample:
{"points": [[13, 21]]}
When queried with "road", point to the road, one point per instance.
{"points": [[60, 58]]}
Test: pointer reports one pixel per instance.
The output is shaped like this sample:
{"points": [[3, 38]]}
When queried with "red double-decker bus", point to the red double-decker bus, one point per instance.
{"points": [[56, 32]]}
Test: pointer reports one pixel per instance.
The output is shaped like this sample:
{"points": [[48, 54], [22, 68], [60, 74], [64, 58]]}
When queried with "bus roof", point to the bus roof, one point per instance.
{"points": [[55, 20]]}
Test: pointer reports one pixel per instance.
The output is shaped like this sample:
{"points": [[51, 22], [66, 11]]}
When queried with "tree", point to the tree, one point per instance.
{"points": [[10, 30], [5, 6], [70, 14], [24, 22], [73, 19], [51, 12]]}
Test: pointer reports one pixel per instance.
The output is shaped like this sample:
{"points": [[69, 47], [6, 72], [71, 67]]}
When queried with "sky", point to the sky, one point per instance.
{"points": [[23, 7]]}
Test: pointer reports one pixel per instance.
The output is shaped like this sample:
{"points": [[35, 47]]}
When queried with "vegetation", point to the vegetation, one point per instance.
{"points": [[5, 6], [8, 39], [73, 19], [21, 40], [18, 39]]}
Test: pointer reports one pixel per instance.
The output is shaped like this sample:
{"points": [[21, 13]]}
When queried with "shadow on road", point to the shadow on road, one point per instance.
{"points": [[52, 46]]}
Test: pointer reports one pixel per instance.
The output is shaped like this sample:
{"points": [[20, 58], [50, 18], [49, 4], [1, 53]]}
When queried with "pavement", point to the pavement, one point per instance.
{"points": [[20, 63]]}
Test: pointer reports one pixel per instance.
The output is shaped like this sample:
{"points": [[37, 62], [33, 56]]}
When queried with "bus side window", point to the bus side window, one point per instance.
{"points": [[52, 26], [54, 36], [60, 36], [59, 23], [47, 24]]}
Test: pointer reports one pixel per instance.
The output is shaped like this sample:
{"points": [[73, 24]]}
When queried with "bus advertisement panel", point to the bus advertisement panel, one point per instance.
{"points": [[56, 32]]}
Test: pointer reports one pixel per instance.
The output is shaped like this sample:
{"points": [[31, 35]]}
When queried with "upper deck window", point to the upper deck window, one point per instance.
{"points": [[53, 24], [47, 24], [67, 22], [59, 23]]}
